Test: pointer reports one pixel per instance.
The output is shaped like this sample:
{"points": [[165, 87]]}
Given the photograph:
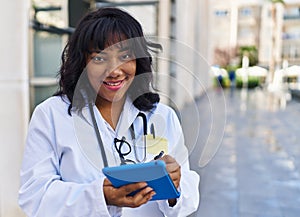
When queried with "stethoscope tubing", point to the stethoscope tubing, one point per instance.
{"points": [[144, 119]]}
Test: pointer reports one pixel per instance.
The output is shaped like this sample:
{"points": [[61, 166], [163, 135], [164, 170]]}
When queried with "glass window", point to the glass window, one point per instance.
{"points": [[46, 46]]}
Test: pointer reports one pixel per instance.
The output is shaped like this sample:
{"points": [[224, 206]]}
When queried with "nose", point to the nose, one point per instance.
{"points": [[115, 69], [115, 72]]}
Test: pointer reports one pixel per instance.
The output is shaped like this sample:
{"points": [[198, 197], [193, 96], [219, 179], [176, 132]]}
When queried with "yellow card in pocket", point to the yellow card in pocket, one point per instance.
{"points": [[156, 145]]}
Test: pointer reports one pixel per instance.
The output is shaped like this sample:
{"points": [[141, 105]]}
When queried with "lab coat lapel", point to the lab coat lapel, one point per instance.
{"points": [[87, 139], [127, 117]]}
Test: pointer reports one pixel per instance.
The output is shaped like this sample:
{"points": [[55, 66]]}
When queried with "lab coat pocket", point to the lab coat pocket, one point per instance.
{"points": [[156, 145]]}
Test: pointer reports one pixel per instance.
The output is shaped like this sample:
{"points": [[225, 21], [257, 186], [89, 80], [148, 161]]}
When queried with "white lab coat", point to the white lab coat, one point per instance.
{"points": [[61, 171]]}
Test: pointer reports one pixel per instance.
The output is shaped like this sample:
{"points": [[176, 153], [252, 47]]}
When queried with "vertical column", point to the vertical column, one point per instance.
{"points": [[278, 34], [202, 43], [14, 112], [185, 36], [264, 36], [164, 10], [233, 23]]}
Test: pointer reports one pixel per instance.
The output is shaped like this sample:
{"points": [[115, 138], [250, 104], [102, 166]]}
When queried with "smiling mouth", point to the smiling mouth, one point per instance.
{"points": [[113, 85]]}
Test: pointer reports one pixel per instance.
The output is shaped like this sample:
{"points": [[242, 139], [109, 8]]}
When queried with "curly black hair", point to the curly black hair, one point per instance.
{"points": [[96, 30]]}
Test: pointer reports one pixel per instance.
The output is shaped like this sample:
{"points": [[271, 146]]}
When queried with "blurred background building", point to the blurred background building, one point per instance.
{"points": [[268, 30], [196, 34]]}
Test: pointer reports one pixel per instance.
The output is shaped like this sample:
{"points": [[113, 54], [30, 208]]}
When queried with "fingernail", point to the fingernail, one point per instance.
{"points": [[144, 185], [149, 189]]}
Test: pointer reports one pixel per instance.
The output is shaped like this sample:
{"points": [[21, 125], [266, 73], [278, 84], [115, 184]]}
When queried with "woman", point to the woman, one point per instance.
{"points": [[104, 88]]}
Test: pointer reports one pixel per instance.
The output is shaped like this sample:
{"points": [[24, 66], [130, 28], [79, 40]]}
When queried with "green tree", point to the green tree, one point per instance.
{"points": [[251, 52]]}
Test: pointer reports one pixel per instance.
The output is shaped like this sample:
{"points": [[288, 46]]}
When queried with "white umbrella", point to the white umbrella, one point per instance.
{"points": [[218, 71], [252, 71], [292, 71]]}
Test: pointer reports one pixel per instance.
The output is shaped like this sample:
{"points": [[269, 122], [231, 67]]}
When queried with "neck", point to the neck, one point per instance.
{"points": [[110, 111]]}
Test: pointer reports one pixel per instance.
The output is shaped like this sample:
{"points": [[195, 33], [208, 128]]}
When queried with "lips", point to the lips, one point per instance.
{"points": [[113, 85]]}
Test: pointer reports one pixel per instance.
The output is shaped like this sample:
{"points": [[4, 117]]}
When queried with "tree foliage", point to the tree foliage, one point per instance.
{"points": [[277, 1]]}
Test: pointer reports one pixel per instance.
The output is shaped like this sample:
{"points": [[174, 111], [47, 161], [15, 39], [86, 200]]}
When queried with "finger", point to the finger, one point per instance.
{"points": [[127, 189], [175, 176], [139, 198], [171, 163], [173, 167], [142, 197], [106, 182], [176, 183], [167, 159], [119, 196]]}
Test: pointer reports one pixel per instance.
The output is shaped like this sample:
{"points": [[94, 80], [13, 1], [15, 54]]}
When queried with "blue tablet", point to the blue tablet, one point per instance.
{"points": [[154, 173]]}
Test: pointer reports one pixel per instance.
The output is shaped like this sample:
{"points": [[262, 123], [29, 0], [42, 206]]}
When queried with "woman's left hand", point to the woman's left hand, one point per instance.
{"points": [[173, 169]]}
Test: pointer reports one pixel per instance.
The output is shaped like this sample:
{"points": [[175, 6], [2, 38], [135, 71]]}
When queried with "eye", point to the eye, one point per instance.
{"points": [[127, 57], [98, 59]]}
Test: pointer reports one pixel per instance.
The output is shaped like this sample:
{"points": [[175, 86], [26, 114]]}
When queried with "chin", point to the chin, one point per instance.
{"points": [[113, 99]]}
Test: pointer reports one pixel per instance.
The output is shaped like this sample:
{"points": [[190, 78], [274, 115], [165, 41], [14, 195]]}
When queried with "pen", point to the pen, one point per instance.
{"points": [[159, 155], [152, 130]]}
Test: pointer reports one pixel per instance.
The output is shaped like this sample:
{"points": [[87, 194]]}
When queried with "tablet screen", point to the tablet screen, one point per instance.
{"points": [[154, 173]]}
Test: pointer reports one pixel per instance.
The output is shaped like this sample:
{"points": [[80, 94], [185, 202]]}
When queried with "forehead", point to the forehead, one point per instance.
{"points": [[120, 46], [112, 46]]}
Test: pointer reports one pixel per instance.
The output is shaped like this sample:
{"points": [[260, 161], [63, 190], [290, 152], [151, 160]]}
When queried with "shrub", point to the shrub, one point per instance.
{"points": [[253, 81]]}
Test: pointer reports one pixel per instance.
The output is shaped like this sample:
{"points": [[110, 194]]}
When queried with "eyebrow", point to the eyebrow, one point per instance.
{"points": [[124, 49]]}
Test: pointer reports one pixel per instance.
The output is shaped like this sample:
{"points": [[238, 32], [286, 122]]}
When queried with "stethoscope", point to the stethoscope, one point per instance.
{"points": [[144, 119], [123, 148], [123, 140]]}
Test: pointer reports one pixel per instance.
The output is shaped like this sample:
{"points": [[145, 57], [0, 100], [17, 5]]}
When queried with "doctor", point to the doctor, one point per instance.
{"points": [[94, 121]]}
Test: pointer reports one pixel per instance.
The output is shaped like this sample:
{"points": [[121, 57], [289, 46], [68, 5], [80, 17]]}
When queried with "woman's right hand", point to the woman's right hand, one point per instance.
{"points": [[119, 196]]}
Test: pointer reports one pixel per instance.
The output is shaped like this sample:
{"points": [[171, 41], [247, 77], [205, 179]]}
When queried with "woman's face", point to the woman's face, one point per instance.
{"points": [[111, 72]]}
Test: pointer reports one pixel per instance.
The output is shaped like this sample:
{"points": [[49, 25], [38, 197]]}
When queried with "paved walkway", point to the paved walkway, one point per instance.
{"points": [[256, 170]]}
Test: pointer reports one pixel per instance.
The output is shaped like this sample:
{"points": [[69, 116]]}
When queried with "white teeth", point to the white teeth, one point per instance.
{"points": [[113, 84]]}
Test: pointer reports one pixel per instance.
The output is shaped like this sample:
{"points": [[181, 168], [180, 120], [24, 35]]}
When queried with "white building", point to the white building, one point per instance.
{"points": [[249, 22]]}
